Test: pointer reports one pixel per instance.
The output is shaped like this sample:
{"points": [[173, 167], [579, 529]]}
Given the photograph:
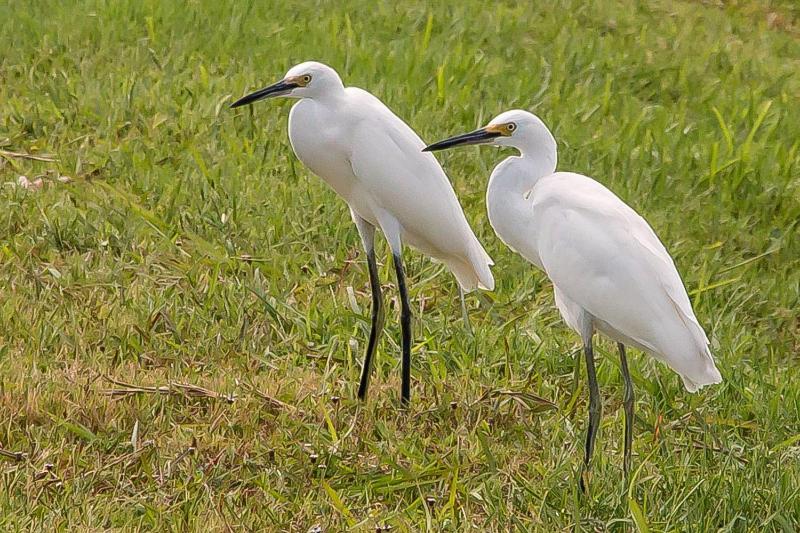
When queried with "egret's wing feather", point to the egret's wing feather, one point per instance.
{"points": [[388, 161], [605, 257], [660, 261], [403, 180]]}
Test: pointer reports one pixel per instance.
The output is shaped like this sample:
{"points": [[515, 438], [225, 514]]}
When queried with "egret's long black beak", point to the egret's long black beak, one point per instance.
{"points": [[479, 136], [276, 89]]}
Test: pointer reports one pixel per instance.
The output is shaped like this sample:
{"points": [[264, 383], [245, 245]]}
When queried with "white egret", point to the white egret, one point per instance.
{"points": [[374, 160], [609, 270]]}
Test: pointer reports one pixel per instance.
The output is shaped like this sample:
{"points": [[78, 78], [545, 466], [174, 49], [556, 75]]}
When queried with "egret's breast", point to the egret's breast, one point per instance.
{"points": [[321, 143], [513, 221]]}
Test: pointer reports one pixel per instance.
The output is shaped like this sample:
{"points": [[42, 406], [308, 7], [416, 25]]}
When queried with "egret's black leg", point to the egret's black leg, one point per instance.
{"points": [[377, 324], [594, 412], [627, 402], [405, 324]]}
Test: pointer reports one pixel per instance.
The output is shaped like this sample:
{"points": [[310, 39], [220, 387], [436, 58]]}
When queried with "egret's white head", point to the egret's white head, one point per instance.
{"points": [[517, 128], [306, 80]]}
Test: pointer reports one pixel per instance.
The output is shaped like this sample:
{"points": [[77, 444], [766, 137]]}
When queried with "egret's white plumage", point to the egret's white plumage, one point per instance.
{"points": [[610, 272], [602, 257], [374, 160]]}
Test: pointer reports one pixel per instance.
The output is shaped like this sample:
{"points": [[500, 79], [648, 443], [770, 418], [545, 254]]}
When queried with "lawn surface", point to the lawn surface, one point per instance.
{"points": [[194, 269]]}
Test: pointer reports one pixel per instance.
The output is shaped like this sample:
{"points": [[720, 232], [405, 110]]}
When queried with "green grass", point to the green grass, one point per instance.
{"points": [[192, 248]]}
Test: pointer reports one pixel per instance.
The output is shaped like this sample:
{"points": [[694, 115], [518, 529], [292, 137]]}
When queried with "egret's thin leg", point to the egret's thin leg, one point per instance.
{"points": [[377, 324], [367, 233], [628, 404], [405, 324], [464, 313], [594, 411]]}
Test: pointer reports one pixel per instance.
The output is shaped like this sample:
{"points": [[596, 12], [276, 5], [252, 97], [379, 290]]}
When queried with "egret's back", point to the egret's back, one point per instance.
{"points": [[604, 257]]}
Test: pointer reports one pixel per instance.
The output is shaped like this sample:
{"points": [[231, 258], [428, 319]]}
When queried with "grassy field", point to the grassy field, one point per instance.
{"points": [[182, 323]]}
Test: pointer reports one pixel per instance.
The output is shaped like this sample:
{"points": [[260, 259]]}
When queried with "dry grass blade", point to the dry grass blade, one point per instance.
{"points": [[14, 456], [271, 401], [717, 449], [33, 157], [172, 388], [526, 399], [196, 391]]}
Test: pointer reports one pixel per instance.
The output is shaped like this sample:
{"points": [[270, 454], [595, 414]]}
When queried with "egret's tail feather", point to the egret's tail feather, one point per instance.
{"points": [[708, 375], [475, 273]]}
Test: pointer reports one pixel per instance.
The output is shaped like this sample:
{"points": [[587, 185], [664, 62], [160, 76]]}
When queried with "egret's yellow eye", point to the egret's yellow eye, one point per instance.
{"points": [[510, 127], [306, 79]]}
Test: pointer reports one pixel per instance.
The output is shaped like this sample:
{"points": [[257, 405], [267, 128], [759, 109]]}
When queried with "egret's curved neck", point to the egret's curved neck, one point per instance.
{"points": [[517, 175], [537, 164], [538, 152], [506, 195]]}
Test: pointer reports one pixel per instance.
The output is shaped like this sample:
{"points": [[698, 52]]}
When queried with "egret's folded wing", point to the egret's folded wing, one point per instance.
{"points": [[605, 257], [387, 159]]}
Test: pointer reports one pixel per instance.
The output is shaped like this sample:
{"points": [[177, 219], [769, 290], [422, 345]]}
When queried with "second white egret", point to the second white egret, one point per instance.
{"points": [[374, 160], [610, 272]]}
